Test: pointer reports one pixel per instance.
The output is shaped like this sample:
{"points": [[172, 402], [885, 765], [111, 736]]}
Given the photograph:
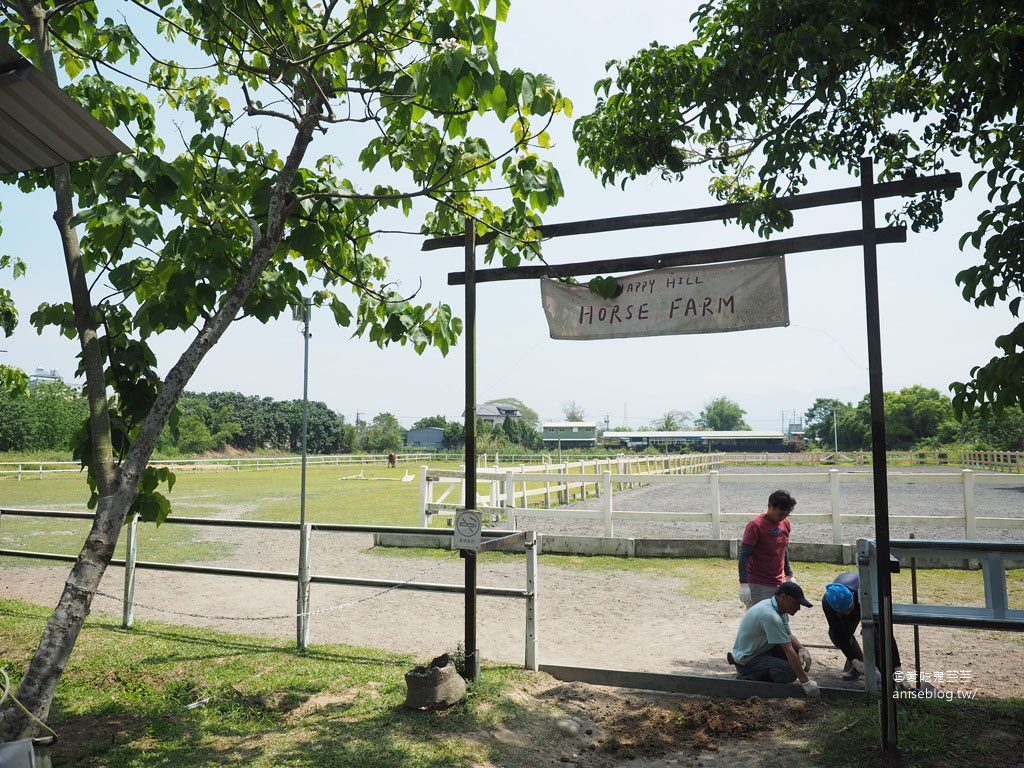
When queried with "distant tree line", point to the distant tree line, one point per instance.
{"points": [[215, 421], [916, 418], [46, 419], [53, 412]]}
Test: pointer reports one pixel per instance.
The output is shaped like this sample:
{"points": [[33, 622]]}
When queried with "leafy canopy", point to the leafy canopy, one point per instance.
{"points": [[769, 89], [268, 140]]}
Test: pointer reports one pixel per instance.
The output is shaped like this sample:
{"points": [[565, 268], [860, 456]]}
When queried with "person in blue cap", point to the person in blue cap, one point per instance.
{"points": [[841, 604], [765, 649]]}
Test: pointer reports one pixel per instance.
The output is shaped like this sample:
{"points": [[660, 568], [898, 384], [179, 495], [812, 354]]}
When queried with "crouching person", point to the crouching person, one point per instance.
{"points": [[765, 649]]}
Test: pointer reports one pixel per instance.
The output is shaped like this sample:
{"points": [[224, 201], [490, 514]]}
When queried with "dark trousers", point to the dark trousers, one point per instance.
{"points": [[772, 666], [842, 632]]}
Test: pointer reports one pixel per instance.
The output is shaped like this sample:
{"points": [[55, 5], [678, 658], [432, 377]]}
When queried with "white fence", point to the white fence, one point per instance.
{"points": [[506, 502], [24, 470], [510, 488]]}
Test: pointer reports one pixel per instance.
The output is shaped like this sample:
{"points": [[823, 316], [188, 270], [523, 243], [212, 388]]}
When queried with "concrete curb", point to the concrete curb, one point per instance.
{"points": [[717, 687], [841, 554]]}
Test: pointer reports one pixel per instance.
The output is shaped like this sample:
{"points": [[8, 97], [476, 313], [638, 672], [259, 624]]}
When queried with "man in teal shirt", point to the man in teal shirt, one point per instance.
{"points": [[765, 649]]}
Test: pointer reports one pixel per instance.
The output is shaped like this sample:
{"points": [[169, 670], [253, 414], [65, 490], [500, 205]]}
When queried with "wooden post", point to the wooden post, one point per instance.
{"points": [[883, 578]]}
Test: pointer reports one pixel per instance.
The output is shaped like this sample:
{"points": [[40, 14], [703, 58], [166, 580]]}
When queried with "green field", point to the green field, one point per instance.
{"points": [[379, 499]]}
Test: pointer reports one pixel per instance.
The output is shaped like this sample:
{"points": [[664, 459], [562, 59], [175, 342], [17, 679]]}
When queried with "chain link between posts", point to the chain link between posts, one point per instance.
{"points": [[330, 609]]}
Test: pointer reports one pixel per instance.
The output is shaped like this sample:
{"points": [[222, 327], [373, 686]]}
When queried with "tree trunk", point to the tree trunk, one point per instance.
{"points": [[117, 487], [39, 683]]}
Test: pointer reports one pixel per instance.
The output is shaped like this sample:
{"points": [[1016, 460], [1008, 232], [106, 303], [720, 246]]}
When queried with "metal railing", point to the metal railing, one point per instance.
{"points": [[996, 615], [132, 564]]}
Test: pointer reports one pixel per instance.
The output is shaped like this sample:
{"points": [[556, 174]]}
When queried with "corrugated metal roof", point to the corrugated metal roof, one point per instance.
{"points": [[40, 125]]}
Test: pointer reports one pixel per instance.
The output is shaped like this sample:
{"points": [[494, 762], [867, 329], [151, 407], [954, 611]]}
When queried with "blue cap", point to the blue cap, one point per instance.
{"points": [[839, 597]]}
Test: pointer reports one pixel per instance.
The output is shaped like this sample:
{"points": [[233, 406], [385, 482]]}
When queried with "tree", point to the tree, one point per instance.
{"points": [[837, 425], [454, 434], [911, 415], [431, 421], [1005, 433], [821, 420], [673, 421], [45, 417], [767, 90], [385, 434], [722, 415], [241, 219], [573, 411]]}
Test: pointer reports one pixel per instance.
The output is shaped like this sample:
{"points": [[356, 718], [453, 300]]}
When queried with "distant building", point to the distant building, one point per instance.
{"points": [[41, 376], [496, 413], [570, 434], [698, 440], [427, 438]]}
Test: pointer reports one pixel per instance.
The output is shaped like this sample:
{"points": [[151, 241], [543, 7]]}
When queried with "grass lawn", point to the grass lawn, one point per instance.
{"points": [[161, 695]]}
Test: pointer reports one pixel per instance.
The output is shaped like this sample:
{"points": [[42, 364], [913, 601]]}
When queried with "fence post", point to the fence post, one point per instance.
{"points": [[609, 531], [970, 524], [716, 507], [425, 497], [547, 487], [837, 520], [531, 601], [526, 501], [130, 556], [510, 499]]}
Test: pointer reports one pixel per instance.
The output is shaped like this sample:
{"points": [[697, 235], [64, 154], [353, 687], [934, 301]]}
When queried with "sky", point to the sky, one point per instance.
{"points": [[930, 335]]}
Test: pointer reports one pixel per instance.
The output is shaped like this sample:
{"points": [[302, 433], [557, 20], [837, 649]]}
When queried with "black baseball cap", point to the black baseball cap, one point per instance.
{"points": [[793, 589]]}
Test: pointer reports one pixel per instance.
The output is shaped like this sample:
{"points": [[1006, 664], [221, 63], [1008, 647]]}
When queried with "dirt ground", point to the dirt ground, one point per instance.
{"points": [[620, 620]]}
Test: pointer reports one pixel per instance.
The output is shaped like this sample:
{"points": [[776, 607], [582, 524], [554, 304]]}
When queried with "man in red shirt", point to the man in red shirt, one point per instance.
{"points": [[764, 551]]}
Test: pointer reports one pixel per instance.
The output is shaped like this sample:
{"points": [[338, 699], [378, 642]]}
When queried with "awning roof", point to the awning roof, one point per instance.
{"points": [[40, 125]]}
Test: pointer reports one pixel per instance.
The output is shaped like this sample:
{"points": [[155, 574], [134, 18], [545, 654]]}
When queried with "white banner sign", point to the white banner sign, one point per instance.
{"points": [[709, 299]]}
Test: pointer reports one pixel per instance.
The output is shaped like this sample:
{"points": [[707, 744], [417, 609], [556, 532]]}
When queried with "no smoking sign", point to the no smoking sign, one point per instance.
{"points": [[468, 524]]}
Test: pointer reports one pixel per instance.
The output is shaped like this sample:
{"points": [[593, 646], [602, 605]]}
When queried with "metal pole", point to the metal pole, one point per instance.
{"points": [[917, 629], [307, 305], [302, 598], [887, 711], [472, 654]]}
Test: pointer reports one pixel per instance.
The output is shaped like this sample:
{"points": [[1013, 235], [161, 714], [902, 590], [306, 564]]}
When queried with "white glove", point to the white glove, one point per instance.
{"points": [[805, 658], [811, 690], [857, 665], [745, 594]]}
